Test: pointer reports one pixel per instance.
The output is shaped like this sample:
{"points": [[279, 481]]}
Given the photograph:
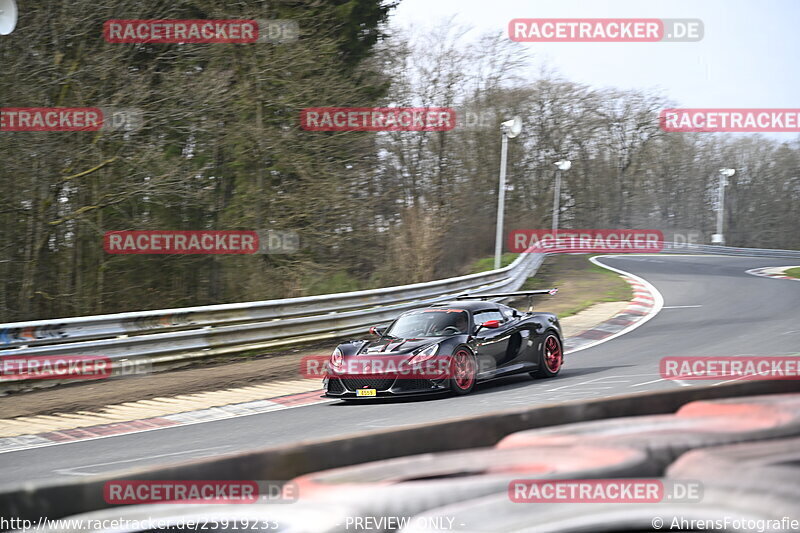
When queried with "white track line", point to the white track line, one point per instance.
{"points": [[148, 430], [649, 382], [71, 471], [771, 272]]}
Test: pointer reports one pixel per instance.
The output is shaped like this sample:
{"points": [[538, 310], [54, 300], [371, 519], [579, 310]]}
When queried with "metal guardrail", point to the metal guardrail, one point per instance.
{"points": [[171, 335], [713, 249]]}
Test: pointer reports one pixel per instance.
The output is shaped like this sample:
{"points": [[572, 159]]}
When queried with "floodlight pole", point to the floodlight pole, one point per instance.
{"points": [[556, 200], [721, 208], [501, 201], [724, 174], [563, 164]]}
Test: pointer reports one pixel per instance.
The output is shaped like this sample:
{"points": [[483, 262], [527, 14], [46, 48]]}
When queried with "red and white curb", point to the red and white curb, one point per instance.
{"points": [[39, 440], [646, 304], [771, 272]]}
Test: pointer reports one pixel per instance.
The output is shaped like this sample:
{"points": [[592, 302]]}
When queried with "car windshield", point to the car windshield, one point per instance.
{"points": [[430, 323]]}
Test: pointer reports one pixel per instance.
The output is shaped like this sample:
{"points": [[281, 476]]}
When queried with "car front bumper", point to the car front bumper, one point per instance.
{"points": [[345, 387]]}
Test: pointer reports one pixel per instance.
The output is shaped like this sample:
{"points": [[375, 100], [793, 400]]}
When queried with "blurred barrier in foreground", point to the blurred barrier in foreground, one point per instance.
{"points": [[419, 485]]}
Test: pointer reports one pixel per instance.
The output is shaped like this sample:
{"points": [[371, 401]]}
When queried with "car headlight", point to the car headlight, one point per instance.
{"points": [[337, 359], [424, 354]]}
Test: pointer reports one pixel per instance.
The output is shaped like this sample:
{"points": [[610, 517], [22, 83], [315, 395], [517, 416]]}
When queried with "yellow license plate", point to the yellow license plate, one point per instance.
{"points": [[366, 392]]}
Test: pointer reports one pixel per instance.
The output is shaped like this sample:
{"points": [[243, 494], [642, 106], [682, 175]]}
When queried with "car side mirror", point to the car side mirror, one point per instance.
{"points": [[377, 331], [489, 324]]}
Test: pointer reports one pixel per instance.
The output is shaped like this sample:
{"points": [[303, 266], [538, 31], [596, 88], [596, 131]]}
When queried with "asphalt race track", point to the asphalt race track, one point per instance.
{"points": [[711, 308]]}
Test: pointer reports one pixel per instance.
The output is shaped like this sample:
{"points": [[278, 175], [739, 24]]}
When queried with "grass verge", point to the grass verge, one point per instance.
{"points": [[580, 283], [792, 272], [487, 263]]}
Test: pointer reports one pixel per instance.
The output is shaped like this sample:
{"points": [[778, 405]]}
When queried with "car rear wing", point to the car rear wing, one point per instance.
{"points": [[528, 294], [466, 296]]}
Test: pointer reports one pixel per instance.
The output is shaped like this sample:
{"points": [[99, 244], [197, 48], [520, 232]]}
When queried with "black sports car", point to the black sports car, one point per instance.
{"points": [[447, 346]]}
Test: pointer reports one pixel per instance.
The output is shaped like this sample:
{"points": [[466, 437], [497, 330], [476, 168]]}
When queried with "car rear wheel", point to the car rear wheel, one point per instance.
{"points": [[463, 371], [551, 357]]}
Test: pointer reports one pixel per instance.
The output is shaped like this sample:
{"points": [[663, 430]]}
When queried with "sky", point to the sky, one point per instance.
{"points": [[748, 57]]}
